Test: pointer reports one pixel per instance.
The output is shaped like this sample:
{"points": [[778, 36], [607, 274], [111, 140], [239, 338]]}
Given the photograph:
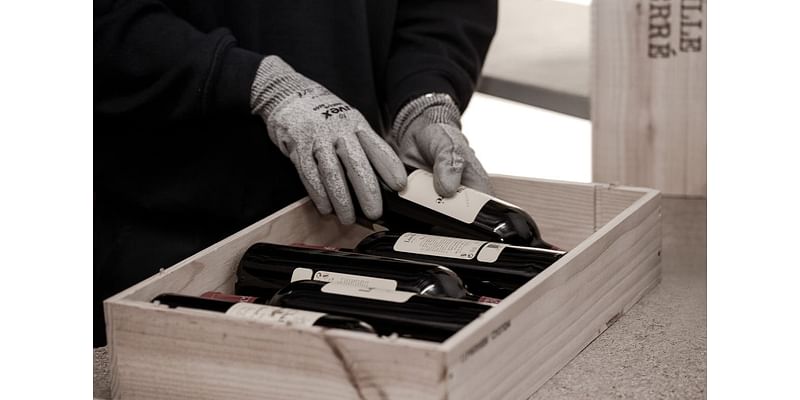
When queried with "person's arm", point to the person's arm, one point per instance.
{"points": [[149, 62], [437, 53], [438, 46]]}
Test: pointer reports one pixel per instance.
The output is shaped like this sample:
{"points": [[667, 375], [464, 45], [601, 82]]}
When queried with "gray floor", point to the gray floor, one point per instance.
{"points": [[658, 349], [655, 351], [541, 56]]}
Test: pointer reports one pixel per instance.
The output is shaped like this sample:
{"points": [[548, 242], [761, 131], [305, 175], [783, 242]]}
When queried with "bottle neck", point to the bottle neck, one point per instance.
{"points": [[234, 298], [489, 301]]}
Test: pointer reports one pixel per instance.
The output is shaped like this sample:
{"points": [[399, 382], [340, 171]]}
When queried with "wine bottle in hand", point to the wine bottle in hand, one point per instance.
{"points": [[469, 214]]}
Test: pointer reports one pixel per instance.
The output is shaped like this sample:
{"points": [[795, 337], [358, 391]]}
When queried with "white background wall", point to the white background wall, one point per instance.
{"points": [[513, 138], [543, 44]]}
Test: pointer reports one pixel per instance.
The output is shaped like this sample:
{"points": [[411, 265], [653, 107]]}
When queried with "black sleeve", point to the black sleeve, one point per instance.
{"points": [[438, 46], [150, 63]]}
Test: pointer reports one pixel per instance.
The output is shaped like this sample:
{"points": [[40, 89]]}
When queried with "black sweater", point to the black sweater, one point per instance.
{"points": [[175, 145], [172, 83]]}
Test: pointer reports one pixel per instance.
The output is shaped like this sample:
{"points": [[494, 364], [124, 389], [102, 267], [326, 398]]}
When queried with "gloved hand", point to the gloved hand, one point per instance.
{"points": [[320, 133], [427, 134]]}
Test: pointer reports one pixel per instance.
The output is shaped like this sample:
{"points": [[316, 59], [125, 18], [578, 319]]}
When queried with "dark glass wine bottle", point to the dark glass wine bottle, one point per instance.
{"points": [[487, 268], [257, 310], [265, 268], [469, 214], [235, 298], [404, 313]]}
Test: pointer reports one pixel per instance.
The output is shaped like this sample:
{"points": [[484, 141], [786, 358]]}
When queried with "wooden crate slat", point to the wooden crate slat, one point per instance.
{"points": [[580, 257], [564, 212], [189, 354], [610, 201], [542, 365], [542, 372], [385, 371], [545, 335], [696, 145], [648, 102], [180, 354], [539, 329]]}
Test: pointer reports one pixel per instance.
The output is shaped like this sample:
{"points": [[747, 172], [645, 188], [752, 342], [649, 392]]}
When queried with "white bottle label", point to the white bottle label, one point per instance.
{"points": [[396, 296], [346, 279], [440, 246], [360, 281], [276, 315], [491, 252], [302, 274], [464, 206]]}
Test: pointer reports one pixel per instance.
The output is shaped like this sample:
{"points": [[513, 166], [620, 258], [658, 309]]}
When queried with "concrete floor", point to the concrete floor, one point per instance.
{"points": [[655, 351], [658, 349]]}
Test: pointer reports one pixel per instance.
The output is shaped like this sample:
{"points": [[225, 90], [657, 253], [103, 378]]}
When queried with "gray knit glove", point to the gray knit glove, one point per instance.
{"points": [[427, 134], [320, 133]]}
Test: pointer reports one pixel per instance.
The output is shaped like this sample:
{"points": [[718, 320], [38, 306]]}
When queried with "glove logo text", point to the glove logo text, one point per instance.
{"points": [[333, 110]]}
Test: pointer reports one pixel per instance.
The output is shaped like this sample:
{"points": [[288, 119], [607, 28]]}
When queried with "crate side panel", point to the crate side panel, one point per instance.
{"points": [[611, 201], [387, 370], [648, 102], [563, 211], [539, 362], [559, 273], [553, 317], [189, 354]]}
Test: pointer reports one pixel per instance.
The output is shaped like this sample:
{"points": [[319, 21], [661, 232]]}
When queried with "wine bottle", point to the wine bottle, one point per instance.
{"points": [[486, 268], [254, 309], [468, 214], [265, 268], [234, 298], [405, 313]]}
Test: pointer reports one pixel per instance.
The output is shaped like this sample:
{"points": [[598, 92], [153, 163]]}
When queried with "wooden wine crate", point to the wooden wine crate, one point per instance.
{"points": [[648, 94], [613, 235]]}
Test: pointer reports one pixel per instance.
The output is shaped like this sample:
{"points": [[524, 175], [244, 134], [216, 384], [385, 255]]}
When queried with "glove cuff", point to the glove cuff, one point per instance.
{"points": [[435, 108], [275, 81]]}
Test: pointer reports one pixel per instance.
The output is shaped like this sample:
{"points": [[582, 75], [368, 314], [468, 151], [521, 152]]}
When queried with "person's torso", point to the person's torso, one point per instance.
{"points": [[227, 168]]}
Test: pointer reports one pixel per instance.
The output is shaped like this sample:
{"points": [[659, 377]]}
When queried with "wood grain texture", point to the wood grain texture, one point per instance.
{"points": [[648, 97], [564, 211], [181, 349], [160, 353], [611, 200], [550, 319]]}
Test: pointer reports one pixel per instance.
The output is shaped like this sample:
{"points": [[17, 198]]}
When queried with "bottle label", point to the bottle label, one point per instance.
{"points": [[346, 279], [276, 315], [360, 281], [440, 246], [464, 206], [302, 274], [395, 296], [491, 252]]}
